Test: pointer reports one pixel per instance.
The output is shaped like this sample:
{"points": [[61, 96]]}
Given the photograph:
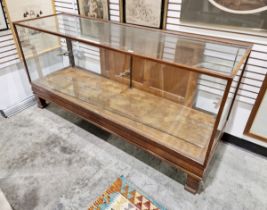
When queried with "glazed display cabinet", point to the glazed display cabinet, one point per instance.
{"points": [[168, 93]]}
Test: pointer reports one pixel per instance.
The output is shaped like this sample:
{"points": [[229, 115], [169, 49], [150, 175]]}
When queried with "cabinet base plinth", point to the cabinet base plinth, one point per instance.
{"points": [[192, 184], [41, 102]]}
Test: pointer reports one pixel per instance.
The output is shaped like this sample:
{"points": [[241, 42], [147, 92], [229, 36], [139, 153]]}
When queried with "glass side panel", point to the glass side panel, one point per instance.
{"points": [[155, 44], [44, 53]]}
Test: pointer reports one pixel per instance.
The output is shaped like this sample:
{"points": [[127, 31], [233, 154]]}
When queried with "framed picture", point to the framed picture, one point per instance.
{"points": [[3, 22], [241, 6], [94, 8], [148, 13], [19, 10], [257, 123], [249, 16]]}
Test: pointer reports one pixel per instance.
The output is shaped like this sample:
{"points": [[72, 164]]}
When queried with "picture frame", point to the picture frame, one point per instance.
{"points": [[3, 19], [94, 8], [256, 125], [240, 7], [149, 13], [19, 10], [246, 17]]}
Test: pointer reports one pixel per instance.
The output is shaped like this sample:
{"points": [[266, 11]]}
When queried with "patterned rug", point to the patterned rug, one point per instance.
{"points": [[122, 195]]}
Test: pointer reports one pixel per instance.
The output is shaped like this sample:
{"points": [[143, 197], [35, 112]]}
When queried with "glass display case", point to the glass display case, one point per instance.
{"points": [[168, 93]]}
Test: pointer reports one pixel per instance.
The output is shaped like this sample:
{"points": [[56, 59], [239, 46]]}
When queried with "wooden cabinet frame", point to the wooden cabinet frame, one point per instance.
{"points": [[195, 170]]}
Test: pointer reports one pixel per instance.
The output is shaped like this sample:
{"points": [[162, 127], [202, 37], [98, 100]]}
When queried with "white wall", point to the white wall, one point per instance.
{"points": [[238, 120], [14, 86], [8, 51]]}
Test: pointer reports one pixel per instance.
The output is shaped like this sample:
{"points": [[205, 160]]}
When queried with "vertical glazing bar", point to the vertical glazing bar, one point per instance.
{"points": [[228, 87], [236, 56], [131, 71], [22, 53], [237, 87], [218, 118], [70, 52]]}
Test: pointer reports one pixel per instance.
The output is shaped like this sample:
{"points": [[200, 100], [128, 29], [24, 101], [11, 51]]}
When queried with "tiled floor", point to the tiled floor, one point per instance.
{"points": [[49, 160]]}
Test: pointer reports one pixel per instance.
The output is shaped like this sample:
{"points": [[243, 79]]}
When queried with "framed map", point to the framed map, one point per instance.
{"points": [[94, 8], [3, 23], [144, 12], [247, 15]]}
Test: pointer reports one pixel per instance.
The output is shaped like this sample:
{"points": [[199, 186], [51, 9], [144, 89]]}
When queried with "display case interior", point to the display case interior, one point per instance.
{"points": [[172, 91]]}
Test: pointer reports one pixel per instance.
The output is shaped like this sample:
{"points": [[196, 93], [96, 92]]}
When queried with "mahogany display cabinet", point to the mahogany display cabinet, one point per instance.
{"points": [[168, 93]]}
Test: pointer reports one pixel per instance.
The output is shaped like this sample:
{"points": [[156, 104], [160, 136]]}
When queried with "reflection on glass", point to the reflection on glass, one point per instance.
{"points": [[44, 53], [146, 42]]}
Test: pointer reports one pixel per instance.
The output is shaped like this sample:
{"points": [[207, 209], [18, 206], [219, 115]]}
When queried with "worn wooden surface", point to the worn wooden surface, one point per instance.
{"points": [[178, 127], [166, 81]]}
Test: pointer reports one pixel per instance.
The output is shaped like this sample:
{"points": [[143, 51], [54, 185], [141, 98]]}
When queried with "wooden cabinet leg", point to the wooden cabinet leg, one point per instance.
{"points": [[192, 184], [41, 102]]}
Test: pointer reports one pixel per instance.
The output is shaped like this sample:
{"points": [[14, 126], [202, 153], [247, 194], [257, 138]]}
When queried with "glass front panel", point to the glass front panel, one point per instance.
{"points": [[155, 44]]}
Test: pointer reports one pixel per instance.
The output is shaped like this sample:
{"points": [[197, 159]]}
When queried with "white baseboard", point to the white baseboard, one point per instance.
{"points": [[18, 107], [4, 205]]}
